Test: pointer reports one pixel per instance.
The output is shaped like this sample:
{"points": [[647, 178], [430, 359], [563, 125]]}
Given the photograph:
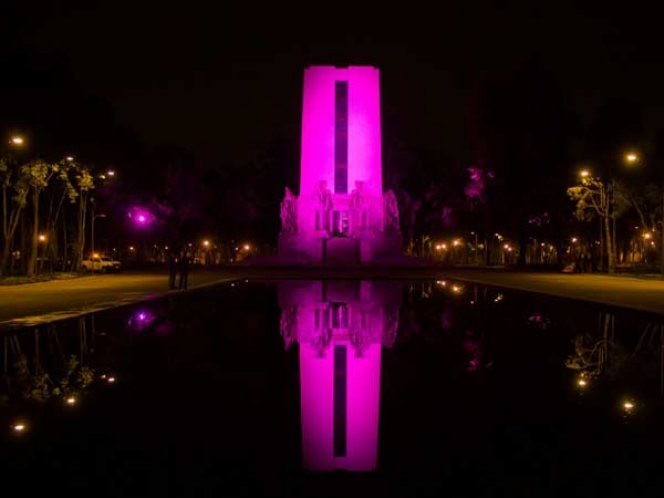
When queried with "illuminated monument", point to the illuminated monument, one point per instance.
{"points": [[341, 213], [340, 327]]}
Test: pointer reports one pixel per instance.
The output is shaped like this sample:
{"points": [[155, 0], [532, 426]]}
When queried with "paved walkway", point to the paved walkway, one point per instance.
{"points": [[43, 302], [628, 292]]}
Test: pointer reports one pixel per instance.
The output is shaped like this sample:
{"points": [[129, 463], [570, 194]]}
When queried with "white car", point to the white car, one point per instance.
{"points": [[101, 264]]}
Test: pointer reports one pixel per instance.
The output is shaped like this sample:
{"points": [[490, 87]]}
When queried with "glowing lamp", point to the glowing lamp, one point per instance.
{"points": [[574, 240], [584, 173], [141, 217], [110, 172], [69, 158], [17, 140], [206, 243], [42, 237], [631, 158], [71, 400], [110, 380], [247, 247], [19, 427]]}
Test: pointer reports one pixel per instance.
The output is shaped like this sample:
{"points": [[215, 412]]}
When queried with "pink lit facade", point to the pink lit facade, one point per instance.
{"points": [[341, 213], [340, 328]]}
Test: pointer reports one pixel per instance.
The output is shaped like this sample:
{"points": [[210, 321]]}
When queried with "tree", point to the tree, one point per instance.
{"points": [[38, 175], [594, 197], [15, 189]]}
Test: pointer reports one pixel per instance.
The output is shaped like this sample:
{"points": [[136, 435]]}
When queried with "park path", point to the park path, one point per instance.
{"points": [[42, 302], [624, 291]]}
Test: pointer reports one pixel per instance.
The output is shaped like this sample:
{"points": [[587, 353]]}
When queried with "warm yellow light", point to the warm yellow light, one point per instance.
{"points": [[584, 173], [102, 176], [206, 243], [95, 255], [42, 237], [71, 400], [19, 427], [647, 235], [247, 247], [131, 248], [457, 289], [582, 382], [574, 240], [631, 157], [17, 140], [628, 406], [456, 242], [69, 158]]}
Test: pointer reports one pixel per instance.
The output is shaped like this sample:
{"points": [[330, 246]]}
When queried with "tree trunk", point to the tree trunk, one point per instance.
{"points": [[34, 243], [610, 249]]}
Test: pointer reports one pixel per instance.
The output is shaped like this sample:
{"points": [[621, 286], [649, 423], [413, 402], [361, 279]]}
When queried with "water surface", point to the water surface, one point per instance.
{"points": [[338, 388]]}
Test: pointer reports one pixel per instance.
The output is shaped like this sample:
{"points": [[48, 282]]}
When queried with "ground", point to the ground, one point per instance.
{"points": [[42, 302], [46, 301]]}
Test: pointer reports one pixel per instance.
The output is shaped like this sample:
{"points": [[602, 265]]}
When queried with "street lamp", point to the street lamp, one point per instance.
{"points": [[631, 158], [17, 140]]}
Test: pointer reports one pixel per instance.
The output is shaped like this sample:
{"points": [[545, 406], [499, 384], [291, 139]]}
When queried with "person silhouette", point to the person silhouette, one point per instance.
{"points": [[184, 271]]}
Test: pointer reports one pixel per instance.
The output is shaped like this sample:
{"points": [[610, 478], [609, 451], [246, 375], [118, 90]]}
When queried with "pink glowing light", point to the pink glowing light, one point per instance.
{"points": [[341, 328], [364, 144], [140, 320], [140, 217]]}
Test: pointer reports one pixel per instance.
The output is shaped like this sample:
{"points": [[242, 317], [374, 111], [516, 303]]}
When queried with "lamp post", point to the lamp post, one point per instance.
{"points": [[92, 230]]}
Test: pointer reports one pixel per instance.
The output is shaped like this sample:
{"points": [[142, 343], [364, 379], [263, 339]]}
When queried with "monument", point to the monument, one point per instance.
{"points": [[341, 214], [341, 328]]}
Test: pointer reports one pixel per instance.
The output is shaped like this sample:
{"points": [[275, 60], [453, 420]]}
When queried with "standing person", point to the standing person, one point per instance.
{"points": [[172, 269], [184, 270]]}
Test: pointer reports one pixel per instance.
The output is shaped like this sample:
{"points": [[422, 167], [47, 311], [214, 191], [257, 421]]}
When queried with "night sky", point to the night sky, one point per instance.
{"points": [[223, 81]]}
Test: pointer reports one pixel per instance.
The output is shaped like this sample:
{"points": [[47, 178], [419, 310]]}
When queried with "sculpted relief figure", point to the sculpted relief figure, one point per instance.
{"points": [[391, 213], [324, 205], [358, 207], [289, 212]]}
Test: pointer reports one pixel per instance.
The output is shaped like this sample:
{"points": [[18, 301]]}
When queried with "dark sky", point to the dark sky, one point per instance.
{"points": [[224, 80]]}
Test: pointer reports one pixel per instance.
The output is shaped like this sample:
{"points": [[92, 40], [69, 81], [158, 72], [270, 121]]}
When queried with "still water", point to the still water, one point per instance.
{"points": [[337, 388]]}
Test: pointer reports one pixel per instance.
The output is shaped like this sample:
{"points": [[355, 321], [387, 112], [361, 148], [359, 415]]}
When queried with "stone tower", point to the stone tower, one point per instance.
{"points": [[341, 214]]}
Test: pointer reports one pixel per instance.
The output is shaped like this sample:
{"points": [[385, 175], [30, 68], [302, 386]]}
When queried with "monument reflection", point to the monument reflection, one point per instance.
{"points": [[340, 327]]}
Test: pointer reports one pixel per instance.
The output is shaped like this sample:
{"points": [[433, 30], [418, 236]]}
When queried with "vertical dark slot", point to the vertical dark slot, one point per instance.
{"points": [[340, 372], [341, 137]]}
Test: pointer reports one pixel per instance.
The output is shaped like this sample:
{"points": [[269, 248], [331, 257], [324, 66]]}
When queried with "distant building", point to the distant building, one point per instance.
{"points": [[341, 213]]}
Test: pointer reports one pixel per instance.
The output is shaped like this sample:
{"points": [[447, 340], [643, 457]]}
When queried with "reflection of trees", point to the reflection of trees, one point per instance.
{"points": [[37, 366], [603, 353]]}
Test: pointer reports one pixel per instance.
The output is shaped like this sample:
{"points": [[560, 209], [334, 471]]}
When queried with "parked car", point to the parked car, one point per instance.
{"points": [[101, 264]]}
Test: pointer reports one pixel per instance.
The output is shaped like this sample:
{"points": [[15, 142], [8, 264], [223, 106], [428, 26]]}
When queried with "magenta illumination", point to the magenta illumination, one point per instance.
{"points": [[340, 328], [341, 213]]}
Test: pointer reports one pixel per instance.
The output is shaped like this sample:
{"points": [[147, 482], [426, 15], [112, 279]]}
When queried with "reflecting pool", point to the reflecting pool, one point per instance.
{"points": [[337, 388]]}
